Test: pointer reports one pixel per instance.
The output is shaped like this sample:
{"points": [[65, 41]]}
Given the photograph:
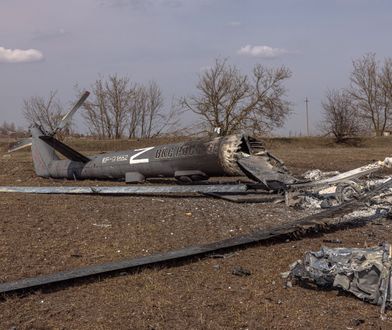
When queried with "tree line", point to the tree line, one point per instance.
{"points": [[225, 98], [119, 108], [9, 129], [116, 108], [365, 105]]}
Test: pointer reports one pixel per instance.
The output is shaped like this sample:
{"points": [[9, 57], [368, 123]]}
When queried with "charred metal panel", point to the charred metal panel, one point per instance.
{"points": [[364, 272], [260, 169]]}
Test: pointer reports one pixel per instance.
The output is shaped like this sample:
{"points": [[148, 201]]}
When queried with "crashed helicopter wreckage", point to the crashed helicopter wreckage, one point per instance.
{"points": [[188, 162], [320, 192], [234, 155]]}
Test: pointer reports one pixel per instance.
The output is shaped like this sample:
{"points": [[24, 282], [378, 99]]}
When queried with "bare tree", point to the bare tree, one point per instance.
{"points": [[106, 115], [45, 112], [386, 84], [147, 116], [233, 101], [134, 111], [340, 116], [118, 95], [7, 128], [371, 91], [165, 121], [119, 107], [151, 115], [95, 114]]}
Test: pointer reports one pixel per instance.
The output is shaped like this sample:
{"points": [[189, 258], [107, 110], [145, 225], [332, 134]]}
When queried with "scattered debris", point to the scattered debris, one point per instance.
{"points": [[223, 256], [335, 241], [312, 197], [364, 272], [316, 175], [102, 225], [240, 271], [346, 176], [357, 322], [315, 222], [325, 192], [158, 200]]}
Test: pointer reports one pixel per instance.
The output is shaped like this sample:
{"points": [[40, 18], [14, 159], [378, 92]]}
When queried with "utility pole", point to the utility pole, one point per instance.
{"points": [[307, 115]]}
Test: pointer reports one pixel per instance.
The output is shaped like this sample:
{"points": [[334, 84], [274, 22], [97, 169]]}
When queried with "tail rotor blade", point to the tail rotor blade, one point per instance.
{"points": [[69, 114], [20, 144]]}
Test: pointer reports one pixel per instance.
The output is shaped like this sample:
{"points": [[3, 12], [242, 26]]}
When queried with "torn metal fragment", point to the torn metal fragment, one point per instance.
{"points": [[260, 169], [364, 272]]}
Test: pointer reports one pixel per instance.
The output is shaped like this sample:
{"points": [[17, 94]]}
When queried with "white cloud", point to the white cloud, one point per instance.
{"points": [[19, 55], [262, 51]]}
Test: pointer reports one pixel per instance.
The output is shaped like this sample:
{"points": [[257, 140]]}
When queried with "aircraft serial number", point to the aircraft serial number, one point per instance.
{"points": [[113, 159]]}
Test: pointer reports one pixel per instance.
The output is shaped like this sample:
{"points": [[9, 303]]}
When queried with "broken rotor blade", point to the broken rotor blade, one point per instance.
{"points": [[64, 121], [20, 144], [129, 190]]}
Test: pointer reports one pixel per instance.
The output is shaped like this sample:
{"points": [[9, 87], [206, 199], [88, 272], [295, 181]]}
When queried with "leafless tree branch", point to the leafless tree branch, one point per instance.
{"points": [[233, 101]]}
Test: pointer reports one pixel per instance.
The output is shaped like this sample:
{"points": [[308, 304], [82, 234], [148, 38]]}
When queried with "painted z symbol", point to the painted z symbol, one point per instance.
{"points": [[132, 159]]}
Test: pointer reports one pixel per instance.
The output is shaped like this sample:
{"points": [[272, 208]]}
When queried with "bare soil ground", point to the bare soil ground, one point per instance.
{"points": [[45, 234]]}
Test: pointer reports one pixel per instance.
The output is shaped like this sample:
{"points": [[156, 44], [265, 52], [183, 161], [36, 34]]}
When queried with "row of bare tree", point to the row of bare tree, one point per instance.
{"points": [[10, 129], [120, 108], [366, 105], [229, 100], [226, 99], [116, 108]]}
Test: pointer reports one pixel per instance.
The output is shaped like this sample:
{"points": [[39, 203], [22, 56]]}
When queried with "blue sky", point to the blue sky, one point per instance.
{"points": [[67, 42]]}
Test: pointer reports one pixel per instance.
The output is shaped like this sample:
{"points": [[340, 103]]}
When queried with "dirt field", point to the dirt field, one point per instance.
{"points": [[45, 234]]}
